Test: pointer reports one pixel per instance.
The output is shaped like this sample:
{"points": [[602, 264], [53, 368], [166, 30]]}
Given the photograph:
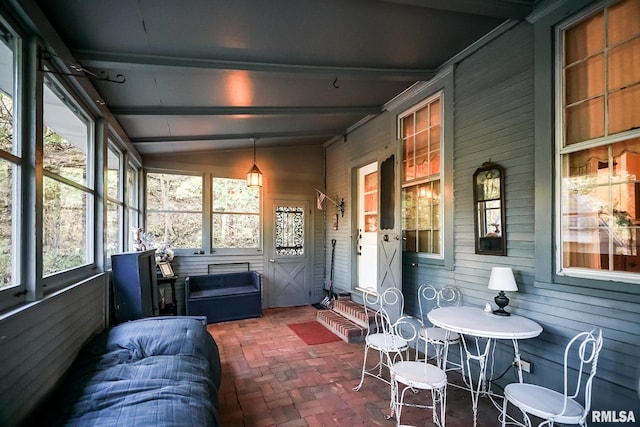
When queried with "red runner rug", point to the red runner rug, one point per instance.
{"points": [[313, 332]]}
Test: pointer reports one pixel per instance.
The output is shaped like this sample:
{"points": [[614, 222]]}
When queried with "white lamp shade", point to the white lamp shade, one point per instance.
{"points": [[502, 279]]}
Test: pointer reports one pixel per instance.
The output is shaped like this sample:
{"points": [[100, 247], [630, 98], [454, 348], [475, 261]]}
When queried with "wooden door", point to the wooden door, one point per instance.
{"points": [[289, 267], [367, 237]]}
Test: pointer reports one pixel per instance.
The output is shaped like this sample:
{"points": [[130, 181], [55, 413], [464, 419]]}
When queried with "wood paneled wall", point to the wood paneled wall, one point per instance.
{"points": [[494, 117], [40, 341]]}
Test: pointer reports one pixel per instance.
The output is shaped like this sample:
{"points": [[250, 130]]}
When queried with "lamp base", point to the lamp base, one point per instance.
{"points": [[501, 301]]}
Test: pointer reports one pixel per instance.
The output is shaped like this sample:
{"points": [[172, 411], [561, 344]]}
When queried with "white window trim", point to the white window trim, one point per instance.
{"points": [[561, 150], [202, 211], [236, 251], [440, 176]]}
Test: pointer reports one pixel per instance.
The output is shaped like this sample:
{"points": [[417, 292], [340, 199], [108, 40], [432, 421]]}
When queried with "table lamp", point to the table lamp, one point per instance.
{"points": [[502, 280]]}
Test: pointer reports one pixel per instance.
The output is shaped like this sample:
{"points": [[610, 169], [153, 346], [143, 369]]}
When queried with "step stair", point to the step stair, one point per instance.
{"points": [[347, 319]]}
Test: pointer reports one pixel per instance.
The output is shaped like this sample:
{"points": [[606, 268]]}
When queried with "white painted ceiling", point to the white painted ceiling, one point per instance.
{"points": [[213, 74]]}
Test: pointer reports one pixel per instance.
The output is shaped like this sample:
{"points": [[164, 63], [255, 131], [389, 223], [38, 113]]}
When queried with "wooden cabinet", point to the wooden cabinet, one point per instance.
{"points": [[135, 285]]}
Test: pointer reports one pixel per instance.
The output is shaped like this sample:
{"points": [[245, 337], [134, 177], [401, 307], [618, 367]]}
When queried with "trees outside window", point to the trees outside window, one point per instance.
{"points": [[9, 168], [174, 211], [132, 206], [114, 223], [67, 228], [236, 214]]}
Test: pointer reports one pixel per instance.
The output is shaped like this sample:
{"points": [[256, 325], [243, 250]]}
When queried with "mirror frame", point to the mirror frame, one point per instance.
{"points": [[485, 244]]}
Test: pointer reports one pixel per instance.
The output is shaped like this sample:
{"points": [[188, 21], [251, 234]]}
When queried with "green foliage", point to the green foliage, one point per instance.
{"points": [[6, 122], [175, 206]]}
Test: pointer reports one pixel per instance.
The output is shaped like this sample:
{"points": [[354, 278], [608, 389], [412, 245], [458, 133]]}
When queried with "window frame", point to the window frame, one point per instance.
{"points": [[207, 215], [596, 278], [429, 179], [58, 279], [146, 210], [118, 200], [16, 291], [236, 251], [132, 188]]}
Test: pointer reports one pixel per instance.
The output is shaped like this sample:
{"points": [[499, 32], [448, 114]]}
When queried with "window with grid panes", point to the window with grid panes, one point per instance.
{"points": [[132, 205], [421, 177], [174, 211], [235, 215], [10, 162], [68, 184], [599, 142], [114, 202]]}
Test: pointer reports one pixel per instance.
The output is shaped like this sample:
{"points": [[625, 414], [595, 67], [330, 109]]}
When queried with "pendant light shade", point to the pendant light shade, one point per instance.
{"points": [[254, 176]]}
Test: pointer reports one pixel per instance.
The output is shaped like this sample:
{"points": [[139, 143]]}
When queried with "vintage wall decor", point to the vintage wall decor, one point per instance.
{"points": [[489, 210]]}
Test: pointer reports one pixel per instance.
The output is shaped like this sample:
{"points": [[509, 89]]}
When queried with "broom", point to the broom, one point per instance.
{"points": [[328, 300]]}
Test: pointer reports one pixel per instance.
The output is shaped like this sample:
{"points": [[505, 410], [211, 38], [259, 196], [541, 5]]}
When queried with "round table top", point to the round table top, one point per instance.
{"points": [[475, 321]]}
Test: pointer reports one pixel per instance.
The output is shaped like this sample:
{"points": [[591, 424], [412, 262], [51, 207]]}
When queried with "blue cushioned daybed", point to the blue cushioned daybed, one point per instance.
{"points": [[162, 371]]}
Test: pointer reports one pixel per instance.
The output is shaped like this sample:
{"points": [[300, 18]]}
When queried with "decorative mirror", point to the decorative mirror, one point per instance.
{"points": [[489, 207]]}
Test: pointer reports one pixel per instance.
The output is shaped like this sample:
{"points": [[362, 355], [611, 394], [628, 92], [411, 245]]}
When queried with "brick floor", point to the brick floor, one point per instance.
{"points": [[272, 378]]}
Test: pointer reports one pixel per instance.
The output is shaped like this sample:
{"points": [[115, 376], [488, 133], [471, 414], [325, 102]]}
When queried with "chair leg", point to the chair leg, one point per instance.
{"points": [[443, 405], [400, 404], [439, 396], [504, 412], [525, 417], [380, 363], [364, 367], [461, 359], [393, 402]]}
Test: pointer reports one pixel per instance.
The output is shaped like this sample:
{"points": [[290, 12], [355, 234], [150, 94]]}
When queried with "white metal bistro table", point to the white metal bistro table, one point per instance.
{"points": [[479, 324]]}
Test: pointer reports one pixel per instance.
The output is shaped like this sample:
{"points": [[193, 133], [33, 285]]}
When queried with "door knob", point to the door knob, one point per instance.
{"points": [[272, 260]]}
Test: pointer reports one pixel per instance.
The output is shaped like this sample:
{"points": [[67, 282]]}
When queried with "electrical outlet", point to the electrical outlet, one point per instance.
{"points": [[526, 366]]}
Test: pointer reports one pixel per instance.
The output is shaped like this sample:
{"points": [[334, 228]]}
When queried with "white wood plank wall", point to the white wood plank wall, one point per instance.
{"points": [[40, 341]]}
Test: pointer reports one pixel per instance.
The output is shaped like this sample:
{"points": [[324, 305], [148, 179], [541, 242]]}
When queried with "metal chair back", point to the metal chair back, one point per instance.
{"points": [[429, 297], [586, 346], [392, 302]]}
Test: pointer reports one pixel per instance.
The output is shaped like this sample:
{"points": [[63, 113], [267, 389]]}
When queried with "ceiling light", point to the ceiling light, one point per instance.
{"points": [[254, 176]]}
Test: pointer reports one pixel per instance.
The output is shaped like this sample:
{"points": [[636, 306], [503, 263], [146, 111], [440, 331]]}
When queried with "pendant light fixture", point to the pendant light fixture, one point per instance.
{"points": [[254, 176]]}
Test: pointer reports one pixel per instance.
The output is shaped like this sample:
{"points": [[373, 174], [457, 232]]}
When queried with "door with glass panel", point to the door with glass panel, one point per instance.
{"points": [[367, 237], [289, 268]]}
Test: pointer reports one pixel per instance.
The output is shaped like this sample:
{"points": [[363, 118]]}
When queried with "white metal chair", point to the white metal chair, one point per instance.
{"points": [[429, 298], [561, 407], [378, 335], [414, 375], [392, 302]]}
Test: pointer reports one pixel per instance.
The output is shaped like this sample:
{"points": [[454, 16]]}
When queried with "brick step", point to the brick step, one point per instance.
{"points": [[354, 312], [341, 326]]}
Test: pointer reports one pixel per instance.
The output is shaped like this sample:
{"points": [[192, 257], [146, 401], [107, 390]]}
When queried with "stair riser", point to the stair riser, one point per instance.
{"points": [[354, 312], [341, 326]]}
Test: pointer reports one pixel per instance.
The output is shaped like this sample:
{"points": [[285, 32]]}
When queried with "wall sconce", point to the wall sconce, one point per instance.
{"points": [[502, 280], [254, 176]]}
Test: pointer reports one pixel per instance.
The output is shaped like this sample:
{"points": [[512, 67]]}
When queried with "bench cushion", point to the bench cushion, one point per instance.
{"points": [[231, 290]]}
